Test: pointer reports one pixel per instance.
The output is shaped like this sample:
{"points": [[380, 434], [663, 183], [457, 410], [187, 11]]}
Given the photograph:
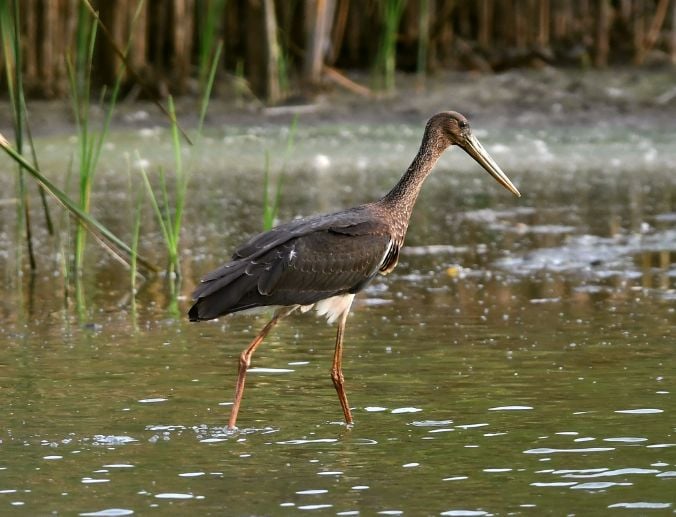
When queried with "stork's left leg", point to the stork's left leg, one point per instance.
{"points": [[337, 368], [245, 361]]}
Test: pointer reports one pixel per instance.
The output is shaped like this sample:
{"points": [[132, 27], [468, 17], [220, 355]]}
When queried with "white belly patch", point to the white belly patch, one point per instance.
{"points": [[333, 307]]}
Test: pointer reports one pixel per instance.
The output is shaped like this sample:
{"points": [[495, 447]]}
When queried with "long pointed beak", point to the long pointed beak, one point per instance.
{"points": [[473, 147]]}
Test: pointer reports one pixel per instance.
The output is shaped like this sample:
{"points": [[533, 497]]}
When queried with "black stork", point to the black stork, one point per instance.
{"points": [[323, 261]]}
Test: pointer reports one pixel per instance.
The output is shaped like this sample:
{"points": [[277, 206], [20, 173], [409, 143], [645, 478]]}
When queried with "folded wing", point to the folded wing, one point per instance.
{"points": [[298, 264]]}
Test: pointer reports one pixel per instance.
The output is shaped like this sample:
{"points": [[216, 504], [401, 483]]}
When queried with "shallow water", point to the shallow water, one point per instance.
{"points": [[520, 360]]}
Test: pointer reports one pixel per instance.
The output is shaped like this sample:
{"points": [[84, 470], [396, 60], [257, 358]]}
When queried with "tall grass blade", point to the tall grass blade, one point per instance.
{"points": [[43, 196], [206, 91], [268, 213], [207, 36], [179, 194], [90, 142], [167, 225], [91, 224], [133, 266], [79, 75], [423, 41], [385, 65], [11, 45], [271, 203], [165, 218]]}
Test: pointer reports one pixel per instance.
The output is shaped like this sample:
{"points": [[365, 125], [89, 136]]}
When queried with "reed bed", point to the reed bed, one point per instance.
{"points": [[283, 47], [79, 66], [96, 51]]}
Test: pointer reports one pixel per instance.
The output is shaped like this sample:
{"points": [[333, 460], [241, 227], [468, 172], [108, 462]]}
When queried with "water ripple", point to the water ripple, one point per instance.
{"points": [[401, 410], [573, 471], [165, 427], [641, 505], [617, 472], [510, 408], [100, 439], [626, 439], [431, 423], [553, 483], [173, 495], [301, 441], [547, 450], [597, 485], [269, 370], [109, 512], [93, 481], [472, 426], [641, 411]]}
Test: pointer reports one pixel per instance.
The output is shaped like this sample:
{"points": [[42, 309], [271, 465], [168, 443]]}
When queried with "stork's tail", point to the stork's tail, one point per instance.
{"points": [[194, 312], [220, 292]]}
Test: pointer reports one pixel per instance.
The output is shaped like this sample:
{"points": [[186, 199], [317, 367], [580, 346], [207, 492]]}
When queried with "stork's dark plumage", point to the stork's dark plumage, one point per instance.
{"points": [[324, 260]]}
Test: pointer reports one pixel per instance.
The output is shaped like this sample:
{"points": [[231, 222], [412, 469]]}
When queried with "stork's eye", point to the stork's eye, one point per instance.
{"points": [[463, 124]]}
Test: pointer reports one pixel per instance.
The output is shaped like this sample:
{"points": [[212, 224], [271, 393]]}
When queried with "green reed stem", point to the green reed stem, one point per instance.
{"points": [[170, 220], [386, 58], [136, 233], [207, 36], [11, 45], [206, 92], [181, 188], [271, 203], [268, 208], [90, 141], [101, 232], [423, 40], [80, 88]]}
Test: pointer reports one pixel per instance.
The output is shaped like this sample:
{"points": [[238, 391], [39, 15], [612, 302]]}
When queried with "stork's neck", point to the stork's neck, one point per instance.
{"points": [[401, 199]]}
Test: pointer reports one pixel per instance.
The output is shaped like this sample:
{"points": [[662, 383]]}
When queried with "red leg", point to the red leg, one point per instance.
{"points": [[245, 361], [337, 369]]}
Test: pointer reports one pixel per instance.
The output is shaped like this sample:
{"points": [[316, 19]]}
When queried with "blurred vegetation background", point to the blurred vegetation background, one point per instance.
{"points": [[97, 53], [273, 49]]}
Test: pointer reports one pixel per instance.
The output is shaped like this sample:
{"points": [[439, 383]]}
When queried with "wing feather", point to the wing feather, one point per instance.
{"points": [[299, 263]]}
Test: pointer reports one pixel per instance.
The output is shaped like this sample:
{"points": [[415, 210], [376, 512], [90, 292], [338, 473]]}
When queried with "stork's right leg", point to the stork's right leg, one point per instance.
{"points": [[337, 369], [245, 361]]}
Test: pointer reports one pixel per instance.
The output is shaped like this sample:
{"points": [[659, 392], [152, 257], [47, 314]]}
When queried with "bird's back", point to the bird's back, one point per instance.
{"points": [[300, 263]]}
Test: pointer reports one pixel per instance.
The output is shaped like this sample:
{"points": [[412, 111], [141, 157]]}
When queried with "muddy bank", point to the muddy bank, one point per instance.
{"points": [[523, 98]]}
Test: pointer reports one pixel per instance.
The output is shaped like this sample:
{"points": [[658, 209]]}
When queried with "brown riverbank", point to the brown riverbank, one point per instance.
{"points": [[541, 98]]}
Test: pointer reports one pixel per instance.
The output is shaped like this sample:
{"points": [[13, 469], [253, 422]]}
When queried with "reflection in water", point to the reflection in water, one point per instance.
{"points": [[521, 357]]}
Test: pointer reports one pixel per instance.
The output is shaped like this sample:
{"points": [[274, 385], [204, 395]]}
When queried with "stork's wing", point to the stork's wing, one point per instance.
{"points": [[356, 220], [324, 261], [297, 265]]}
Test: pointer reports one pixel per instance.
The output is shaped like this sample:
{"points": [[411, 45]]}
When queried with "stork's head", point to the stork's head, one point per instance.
{"points": [[452, 128]]}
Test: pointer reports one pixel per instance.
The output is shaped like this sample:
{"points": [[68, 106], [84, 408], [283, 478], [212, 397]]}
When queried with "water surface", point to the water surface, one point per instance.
{"points": [[520, 360]]}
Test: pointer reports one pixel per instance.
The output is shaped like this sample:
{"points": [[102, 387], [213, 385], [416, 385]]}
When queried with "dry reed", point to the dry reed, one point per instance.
{"points": [[271, 43]]}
